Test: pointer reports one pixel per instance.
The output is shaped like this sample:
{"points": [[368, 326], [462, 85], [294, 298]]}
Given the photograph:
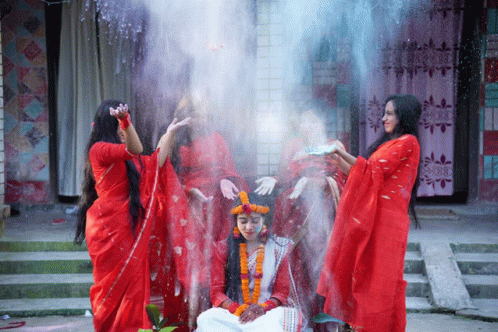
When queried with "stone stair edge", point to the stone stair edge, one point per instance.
{"points": [[35, 279], [31, 246], [45, 307]]}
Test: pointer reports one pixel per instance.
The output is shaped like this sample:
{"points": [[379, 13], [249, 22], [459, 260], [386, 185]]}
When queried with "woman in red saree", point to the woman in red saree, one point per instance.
{"points": [[119, 209], [203, 162], [362, 277], [303, 212]]}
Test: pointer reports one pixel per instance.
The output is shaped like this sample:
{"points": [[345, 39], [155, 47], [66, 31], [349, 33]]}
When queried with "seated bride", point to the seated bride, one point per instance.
{"points": [[250, 280]]}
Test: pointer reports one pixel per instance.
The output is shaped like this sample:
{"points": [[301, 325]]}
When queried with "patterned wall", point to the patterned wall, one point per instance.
{"points": [[488, 173], [25, 103]]}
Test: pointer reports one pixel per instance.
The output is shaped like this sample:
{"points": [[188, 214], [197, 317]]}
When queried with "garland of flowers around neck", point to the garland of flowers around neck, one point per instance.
{"points": [[244, 277]]}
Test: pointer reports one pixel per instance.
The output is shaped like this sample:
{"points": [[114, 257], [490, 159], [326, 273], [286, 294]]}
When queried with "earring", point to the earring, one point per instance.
{"points": [[236, 232], [264, 233]]}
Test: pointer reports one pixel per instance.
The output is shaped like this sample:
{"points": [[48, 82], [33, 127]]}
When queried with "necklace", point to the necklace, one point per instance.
{"points": [[244, 273]]}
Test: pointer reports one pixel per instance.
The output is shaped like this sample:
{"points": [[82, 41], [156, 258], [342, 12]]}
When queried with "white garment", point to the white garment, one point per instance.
{"points": [[281, 319]]}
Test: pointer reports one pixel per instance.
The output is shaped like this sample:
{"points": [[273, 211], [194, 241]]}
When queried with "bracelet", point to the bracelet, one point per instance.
{"points": [[268, 305], [125, 121], [240, 309], [233, 307]]}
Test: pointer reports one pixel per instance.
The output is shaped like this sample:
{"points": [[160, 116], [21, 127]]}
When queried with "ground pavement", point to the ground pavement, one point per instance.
{"points": [[465, 224]]}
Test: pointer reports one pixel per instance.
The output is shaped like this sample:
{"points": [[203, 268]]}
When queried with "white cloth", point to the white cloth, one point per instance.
{"points": [[281, 319]]}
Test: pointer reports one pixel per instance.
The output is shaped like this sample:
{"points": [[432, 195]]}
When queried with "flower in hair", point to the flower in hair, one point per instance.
{"points": [[246, 206]]}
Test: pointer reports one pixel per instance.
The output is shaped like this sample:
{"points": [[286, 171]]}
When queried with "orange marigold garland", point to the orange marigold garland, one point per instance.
{"points": [[247, 207], [244, 277]]}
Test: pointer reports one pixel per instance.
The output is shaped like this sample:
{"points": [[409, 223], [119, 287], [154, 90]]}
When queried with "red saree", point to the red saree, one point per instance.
{"points": [[120, 257], [308, 219], [362, 276], [204, 163]]}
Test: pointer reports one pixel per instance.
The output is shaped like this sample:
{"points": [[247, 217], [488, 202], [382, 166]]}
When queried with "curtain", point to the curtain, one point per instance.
{"points": [[420, 59], [92, 67]]}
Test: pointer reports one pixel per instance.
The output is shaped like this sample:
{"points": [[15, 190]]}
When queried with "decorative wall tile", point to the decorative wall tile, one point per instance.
{"points": [[491, 70], [490, 142], [492, 22], [25, 103]]}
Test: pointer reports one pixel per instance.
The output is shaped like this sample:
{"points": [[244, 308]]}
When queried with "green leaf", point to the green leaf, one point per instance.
{"points": [[324, 318], [163, 323], [153, 313], [168, 329], [142, 330]]}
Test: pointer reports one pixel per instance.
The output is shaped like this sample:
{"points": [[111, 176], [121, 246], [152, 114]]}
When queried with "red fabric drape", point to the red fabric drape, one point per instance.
{"points": [[308, 219], [120, 257], [362, 276]]}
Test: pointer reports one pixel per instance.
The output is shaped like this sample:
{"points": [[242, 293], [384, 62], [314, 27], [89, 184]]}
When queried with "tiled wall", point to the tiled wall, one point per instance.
{"points": [[328, 79], [25, 103], [269, 83], [488, 184]]}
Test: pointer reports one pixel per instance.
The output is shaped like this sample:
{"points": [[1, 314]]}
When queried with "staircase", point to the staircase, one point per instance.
{"points": [[478, 264], [44, 278], [53, 278], [417, 288]]}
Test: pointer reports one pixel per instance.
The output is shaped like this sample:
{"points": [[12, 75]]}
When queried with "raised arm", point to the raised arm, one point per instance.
{"points": [[132, 141], [165, 144], [346, 161]]}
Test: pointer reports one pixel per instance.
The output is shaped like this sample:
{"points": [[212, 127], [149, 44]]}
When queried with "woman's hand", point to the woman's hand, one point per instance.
{"points": [[120, 112], [175, 125], [298, 188], [251, 313], [266, 185], [199, 195], [165, 144], [228, 189]]}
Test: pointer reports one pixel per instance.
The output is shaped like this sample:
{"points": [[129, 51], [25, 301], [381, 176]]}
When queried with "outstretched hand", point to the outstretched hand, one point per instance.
{"points": [[175, 125], [120, 112], [298, 188], [197, 193], [266, 185], [228, 189]]}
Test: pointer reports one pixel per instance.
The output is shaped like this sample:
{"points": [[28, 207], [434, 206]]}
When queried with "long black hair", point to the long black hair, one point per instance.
{"points": [[408, 110], [104, 129], [232, 268], [183, 137]]}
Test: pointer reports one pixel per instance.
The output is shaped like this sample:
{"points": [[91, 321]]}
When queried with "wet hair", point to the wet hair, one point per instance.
{"points": [[232, 268], [104, 129], [408, 110]]}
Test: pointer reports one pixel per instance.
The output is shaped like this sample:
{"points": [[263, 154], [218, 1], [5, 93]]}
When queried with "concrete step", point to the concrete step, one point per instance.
{"points": [[414, 262], [44, 307], [19, 246], [418, 285], [487, 309], [474, 248], [481, 286], [477, 263], [33, 286], [48, 262], [418, 304]]}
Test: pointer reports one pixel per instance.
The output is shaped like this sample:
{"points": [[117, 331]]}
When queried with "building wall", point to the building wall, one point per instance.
{"points": [[326, 77], [25, 104], [488, 172]]}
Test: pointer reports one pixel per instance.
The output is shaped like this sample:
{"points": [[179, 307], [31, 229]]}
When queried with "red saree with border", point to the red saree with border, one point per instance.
{"points": [[120, 256], [362, 276]]}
